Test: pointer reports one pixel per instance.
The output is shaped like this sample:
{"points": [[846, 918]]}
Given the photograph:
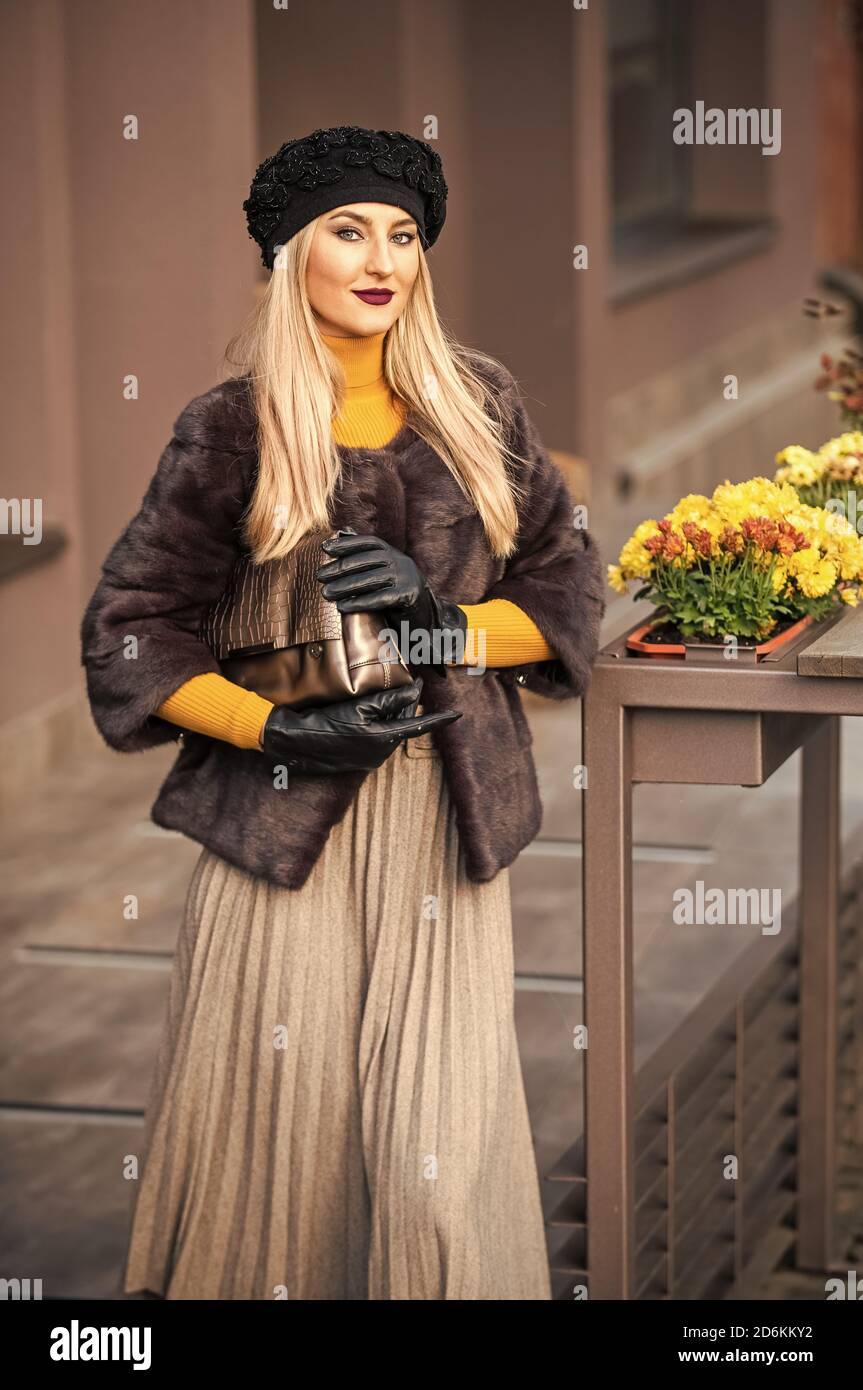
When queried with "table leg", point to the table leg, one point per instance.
{"points": [[819, 902], [608, 999]]}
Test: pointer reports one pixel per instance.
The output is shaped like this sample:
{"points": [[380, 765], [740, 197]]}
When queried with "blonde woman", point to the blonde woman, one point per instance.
{"points": [[337, 1109]]}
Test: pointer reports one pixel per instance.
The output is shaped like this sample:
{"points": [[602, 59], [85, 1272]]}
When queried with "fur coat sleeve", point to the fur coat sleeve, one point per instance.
{"points": [[138, 642], [555, 575]]}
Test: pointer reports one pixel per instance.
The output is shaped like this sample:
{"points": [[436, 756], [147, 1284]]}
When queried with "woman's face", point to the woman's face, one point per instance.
{"points": [[362, 247]]}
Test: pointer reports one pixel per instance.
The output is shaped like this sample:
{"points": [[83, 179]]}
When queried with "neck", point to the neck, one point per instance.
{"points": [[370, 415], [361, 359]]}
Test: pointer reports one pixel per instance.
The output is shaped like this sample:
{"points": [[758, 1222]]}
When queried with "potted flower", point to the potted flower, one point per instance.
{"points": [[843, 382], [752, 563], [829, 475]]}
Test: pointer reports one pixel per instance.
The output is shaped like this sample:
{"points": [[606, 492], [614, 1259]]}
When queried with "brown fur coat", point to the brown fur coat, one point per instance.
{"points": [[173, 559]]}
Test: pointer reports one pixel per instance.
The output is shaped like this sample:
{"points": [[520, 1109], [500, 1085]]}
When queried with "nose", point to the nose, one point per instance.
{"points": [[380, 261]]}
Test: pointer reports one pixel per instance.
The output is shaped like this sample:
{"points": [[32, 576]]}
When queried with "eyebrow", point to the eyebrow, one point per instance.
{"points": [[361, 217]]}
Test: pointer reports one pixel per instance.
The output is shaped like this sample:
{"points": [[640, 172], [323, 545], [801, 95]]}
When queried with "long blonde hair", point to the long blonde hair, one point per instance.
{"points": [[298, 388]]}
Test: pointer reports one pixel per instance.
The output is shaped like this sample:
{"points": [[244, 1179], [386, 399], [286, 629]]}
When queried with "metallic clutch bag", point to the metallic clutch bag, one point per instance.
{"points": [[272, 631]]}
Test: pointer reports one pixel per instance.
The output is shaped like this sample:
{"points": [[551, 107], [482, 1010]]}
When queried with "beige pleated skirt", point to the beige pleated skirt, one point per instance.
{"points": [[337, 1109]]}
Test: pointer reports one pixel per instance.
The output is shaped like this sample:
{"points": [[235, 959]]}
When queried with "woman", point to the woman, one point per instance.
{"points": [[337, 1109]]}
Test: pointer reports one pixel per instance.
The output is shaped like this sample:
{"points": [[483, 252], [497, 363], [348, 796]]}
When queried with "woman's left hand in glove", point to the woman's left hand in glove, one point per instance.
{"points": [[367, 573]]}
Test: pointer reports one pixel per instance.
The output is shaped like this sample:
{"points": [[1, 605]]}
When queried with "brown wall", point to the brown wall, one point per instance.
{"points": [[839, 206], [123, 257], [40, 443]]}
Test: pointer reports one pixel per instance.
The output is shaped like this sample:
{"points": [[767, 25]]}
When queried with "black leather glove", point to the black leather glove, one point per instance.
{"points": [[367, 572], [350, 735]]}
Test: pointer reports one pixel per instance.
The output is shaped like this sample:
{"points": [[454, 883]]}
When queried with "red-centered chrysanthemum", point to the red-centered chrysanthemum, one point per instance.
{"points": [[790, 539]]}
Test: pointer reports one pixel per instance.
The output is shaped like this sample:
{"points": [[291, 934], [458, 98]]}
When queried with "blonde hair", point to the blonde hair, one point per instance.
{"points": [[298, 388]]}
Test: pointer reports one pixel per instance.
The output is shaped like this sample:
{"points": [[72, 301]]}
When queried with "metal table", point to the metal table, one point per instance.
{"points": [[649, 719]]}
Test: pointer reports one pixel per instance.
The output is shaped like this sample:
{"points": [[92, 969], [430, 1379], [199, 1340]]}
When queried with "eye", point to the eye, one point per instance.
{"points": [[411, 236]]}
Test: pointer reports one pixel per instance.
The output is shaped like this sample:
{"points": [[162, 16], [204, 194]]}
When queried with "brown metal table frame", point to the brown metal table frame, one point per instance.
{"points": [[732, 720]]}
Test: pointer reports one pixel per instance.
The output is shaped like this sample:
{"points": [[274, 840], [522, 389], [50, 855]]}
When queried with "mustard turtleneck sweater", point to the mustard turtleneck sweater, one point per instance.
{"points": [[370, 417]]}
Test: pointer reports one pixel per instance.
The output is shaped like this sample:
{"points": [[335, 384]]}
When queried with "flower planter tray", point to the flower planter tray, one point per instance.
{"points": [[712, 653]]}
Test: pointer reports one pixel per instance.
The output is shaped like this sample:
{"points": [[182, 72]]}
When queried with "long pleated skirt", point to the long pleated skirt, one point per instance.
{"points": [[337, 1109]]}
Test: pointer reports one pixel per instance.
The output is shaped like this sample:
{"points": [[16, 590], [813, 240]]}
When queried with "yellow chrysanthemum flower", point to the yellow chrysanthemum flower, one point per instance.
{"points": [[757, 497], [635, 562], [693, 507], [616, 579], [799, 474], [849, 443], [800, 467], [780, 577], [644, 530], [794, 453], [816, 580], [850, 562]]}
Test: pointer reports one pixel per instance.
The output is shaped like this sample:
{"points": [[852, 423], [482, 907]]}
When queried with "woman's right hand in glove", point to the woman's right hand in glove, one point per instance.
{"points": [[350, 735]]}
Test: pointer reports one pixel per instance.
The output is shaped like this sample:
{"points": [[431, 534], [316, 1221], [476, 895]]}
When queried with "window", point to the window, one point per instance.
{"points": [[680, 210], [647, 82]]}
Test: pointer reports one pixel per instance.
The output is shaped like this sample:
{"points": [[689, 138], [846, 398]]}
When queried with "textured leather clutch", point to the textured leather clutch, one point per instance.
{"points": [[272, 631]]}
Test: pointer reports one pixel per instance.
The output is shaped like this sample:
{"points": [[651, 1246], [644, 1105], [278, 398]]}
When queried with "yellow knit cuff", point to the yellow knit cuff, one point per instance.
{"points": [[210, 704], [511, 637]]}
